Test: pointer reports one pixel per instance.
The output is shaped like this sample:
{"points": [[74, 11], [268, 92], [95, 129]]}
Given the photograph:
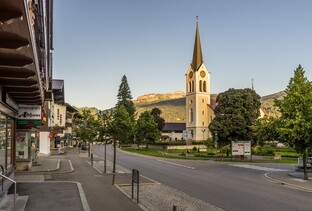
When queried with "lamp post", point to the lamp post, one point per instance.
{"points": [[216, 140], [203, 130]]}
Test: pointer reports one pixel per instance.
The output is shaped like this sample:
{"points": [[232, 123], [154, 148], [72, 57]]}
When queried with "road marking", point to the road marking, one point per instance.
{"points": [[176, 164], [260, 168]]}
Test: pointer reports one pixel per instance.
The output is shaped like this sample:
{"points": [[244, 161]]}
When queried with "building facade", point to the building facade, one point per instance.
{"points": [[198, 111], [25, 80]]}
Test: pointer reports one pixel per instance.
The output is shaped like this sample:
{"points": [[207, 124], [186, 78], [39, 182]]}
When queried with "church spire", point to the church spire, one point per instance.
{"points": [[197, 54]]}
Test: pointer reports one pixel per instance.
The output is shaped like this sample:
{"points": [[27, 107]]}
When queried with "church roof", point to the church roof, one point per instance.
{"points": [[197, 54]]}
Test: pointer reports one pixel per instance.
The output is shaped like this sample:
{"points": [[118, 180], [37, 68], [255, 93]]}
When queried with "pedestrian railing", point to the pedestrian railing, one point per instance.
{"points": [[11, 180]]}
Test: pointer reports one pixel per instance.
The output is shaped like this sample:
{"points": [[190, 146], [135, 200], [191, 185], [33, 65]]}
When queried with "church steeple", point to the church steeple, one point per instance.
{"points": [[197, 54]]}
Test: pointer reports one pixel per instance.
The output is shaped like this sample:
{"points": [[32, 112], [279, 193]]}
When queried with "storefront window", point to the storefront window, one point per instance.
{"points": [[2, 140], [9, 141], [22, 145]]}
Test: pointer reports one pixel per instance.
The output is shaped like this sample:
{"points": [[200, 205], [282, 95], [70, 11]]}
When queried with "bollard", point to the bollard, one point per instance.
{"points": [[175, 208], [92, 159]]}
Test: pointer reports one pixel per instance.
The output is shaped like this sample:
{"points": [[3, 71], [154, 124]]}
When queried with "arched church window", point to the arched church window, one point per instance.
{"points": [[200, 86], [192, 86], [190, 115], [205, 89]]}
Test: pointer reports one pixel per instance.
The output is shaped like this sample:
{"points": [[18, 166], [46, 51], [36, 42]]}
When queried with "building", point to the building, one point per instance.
{"points": [[25, 80], [199, 114], [173, 132]]}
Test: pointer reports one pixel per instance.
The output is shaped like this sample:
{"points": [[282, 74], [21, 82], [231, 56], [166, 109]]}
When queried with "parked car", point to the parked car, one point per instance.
{"points": [[85, 147]]}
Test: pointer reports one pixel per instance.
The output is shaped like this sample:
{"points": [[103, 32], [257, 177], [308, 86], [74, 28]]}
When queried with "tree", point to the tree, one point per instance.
{"points": [[296, 115], [147, 129], [87, 127], [156, 112], [266, 129], [121, 128], [124, 98], [236, 111]]}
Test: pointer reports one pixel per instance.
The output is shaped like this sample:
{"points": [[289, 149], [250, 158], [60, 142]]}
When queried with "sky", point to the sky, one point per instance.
{"points": [[96, 42]]}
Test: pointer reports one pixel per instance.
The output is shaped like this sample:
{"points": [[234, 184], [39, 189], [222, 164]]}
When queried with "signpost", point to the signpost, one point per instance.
{"points": [[136, 179]]}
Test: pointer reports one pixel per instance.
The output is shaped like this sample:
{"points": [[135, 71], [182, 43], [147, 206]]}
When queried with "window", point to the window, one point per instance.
{"points": [[203, 112], [192, 86], [203, 100], [190, 115], [200, 86], [58, 114], [190, 102], [205, 89], [61, 119], [9, 142], [2, 140], [203, 123]]}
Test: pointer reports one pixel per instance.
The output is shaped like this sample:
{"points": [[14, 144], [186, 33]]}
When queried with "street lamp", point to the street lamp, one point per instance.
{"points": [[216, 139], [203, 130]]}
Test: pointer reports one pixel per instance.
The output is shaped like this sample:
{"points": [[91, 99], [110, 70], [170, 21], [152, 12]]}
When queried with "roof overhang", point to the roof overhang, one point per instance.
{"points": [[20, 75]]}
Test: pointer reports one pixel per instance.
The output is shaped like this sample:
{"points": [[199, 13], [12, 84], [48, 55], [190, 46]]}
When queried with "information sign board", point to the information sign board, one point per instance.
{"points": [[241, 148]]}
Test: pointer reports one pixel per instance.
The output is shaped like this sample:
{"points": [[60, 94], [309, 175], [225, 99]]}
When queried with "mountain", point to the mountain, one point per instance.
{"points": [[172, 104]]}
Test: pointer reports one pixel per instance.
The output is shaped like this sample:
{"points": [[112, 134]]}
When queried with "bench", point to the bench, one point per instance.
{"points": [[162, 153], [277, 157]]}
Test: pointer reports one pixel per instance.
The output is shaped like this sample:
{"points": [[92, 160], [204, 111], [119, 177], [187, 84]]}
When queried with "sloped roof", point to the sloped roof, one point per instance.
{"points": [[57, 84], [174, 127], [197, 54]]}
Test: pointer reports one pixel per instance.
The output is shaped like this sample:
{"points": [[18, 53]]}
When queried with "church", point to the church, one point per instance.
{"points": [[199, 112]]}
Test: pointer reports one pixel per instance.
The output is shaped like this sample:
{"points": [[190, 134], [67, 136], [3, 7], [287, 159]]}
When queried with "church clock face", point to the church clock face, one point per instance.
{"points": [[202, 74], [191, 75]]}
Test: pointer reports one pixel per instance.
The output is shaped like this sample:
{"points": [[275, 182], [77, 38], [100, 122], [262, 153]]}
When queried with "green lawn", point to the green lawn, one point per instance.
{"points": [[288, 155]]}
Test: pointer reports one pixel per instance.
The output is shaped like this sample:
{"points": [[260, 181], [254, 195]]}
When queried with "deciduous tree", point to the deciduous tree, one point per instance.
{"points": [[296, 114], [156, 112], [236, 111], [147, 130]]}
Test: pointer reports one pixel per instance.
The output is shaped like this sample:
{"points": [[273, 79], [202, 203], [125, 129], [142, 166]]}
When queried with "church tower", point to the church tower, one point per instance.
{"points": [[198, 112]]}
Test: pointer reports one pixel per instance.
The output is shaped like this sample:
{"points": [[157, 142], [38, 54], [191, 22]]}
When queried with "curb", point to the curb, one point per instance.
{"points": [[266, 175]]}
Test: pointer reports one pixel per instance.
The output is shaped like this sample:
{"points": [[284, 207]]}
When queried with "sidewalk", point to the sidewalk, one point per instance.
{"points": [[293, 179], [68, 182]]}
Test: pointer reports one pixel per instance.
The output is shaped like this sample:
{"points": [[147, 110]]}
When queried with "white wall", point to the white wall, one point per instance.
{"points": [[44, 143]]}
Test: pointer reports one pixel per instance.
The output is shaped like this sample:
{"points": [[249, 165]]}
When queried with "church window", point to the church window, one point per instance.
{"points": [[190, 102], [203, 112], [204, 86], [200, 86], [203, 123], [192, 86], [203, 100], [191, 115]]}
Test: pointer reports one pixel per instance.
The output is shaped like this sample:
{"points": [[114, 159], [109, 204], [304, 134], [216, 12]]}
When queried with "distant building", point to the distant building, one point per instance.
{"points": [[173, 131]]}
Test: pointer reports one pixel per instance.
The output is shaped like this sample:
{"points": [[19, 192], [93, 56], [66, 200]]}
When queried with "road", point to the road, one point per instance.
{"points": [[222, 184]]}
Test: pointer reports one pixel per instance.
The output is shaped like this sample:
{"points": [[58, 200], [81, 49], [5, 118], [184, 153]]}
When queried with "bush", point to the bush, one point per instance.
{"points": [[194, 149]]}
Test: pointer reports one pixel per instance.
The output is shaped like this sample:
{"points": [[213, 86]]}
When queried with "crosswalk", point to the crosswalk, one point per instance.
{"points": [[260, 168]]}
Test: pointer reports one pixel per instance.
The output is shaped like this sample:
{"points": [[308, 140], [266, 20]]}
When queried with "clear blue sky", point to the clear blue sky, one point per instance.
{"points": [[151, 42]]}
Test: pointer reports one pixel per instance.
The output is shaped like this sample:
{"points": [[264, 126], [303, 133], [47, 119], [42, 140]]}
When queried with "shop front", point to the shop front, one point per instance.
{"points": [[27, 136]]}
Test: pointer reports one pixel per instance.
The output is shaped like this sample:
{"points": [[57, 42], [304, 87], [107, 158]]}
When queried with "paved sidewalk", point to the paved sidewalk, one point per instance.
{"points": [[68, 182], [293, 179]]}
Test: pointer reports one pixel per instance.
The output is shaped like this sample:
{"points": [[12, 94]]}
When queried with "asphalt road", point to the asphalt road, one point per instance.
{"points": [[226, 186]]}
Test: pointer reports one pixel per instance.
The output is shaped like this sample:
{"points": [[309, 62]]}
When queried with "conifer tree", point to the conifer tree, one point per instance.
{"points": [[124, 98]]}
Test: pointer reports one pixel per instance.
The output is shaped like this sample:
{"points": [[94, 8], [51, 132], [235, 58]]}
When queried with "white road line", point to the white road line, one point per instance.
{"points": [[260, 168], [176, 164]]}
